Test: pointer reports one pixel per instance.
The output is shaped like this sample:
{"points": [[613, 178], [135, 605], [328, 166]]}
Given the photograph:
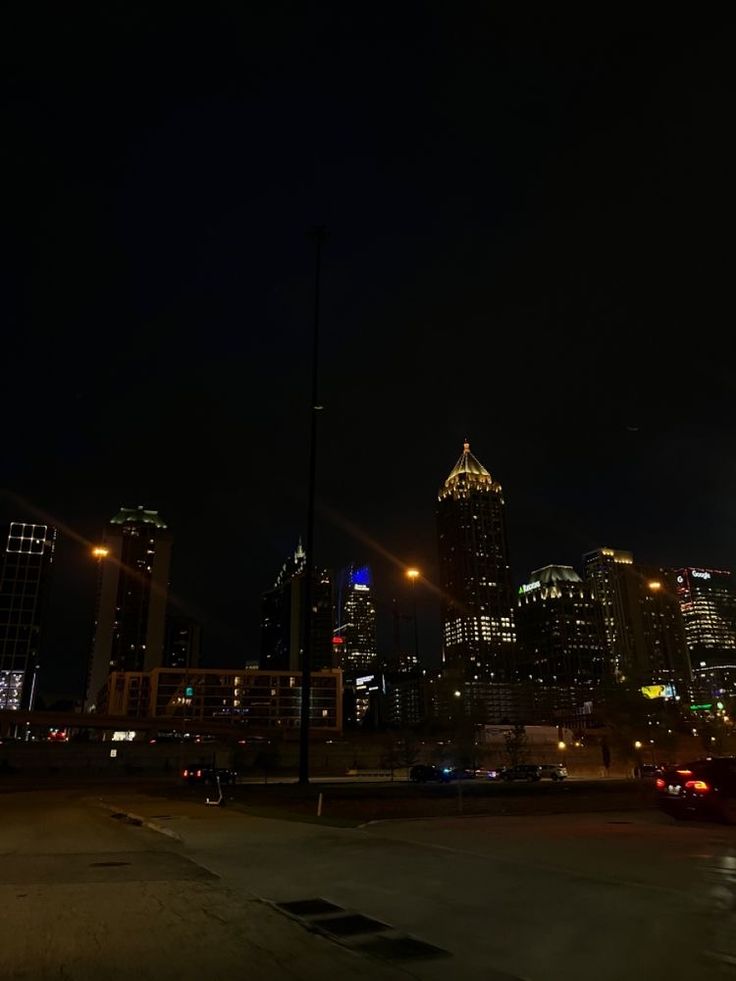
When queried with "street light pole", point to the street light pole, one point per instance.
{"points": [[412, 575], [318, 234]]}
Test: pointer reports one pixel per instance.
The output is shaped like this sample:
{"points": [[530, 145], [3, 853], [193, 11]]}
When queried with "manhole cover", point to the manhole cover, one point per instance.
{"points": [[106, 865], [352, 924], [309, 907], [400, 948]]}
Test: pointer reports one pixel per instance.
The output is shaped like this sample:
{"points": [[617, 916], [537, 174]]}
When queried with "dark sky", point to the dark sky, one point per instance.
{"points": [[530, 221]]}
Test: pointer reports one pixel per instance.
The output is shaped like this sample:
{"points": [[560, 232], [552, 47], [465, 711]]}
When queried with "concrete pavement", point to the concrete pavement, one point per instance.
{"points": [[615, 895], [84, 896]]}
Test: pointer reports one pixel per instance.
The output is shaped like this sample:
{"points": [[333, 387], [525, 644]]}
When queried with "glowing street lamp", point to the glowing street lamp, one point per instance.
{"points": [[637, 744], [100, 552], [562, 745]]}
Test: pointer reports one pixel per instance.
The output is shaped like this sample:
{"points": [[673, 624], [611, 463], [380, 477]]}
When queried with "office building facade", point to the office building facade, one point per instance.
{"points": [[478, 605], [27, 559], [354, 637], [642, 618], [561, 634], [707, 600], [135, 559], [183, 642], [282, 618]]}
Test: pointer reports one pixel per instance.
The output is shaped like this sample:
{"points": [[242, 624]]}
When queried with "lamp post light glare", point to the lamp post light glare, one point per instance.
{"points": [[562, 746], [412, 574], [637, 744], [100, 552]]}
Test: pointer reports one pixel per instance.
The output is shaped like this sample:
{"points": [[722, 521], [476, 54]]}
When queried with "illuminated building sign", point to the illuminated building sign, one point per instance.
{"points": [[189, 691], [529, 587], [700, 574], [359, 585], [338, 640], [657, 691]]}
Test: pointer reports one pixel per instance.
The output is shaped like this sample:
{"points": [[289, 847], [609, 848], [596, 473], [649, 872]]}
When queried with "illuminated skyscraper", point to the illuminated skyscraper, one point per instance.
{"points": [[708, 603], [26, 559], [475, 576], [355, 633], [642, 618], [604, 571], [560, 624], [133, 590], [282, 618]]}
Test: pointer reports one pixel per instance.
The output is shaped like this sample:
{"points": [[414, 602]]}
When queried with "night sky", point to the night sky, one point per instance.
{"points": [[530, 244]]}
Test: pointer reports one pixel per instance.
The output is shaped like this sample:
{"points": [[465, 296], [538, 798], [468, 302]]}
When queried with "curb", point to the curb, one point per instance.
{"points": [[142, 822]]}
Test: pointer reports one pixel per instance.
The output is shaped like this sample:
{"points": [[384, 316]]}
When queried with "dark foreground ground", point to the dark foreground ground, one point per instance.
{"points": [[87, 892]]}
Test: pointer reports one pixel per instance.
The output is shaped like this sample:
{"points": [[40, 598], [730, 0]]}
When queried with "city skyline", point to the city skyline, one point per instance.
{"points": [[429, 619], [526, 283]]}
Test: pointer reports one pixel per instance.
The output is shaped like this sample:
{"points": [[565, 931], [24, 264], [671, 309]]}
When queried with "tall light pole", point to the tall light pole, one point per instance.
{"points": [[318, 235], [412, 575]]}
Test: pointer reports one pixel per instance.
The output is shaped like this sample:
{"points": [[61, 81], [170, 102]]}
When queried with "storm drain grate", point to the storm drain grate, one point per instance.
{"points": [[351, 924], [106, 865], [310, 907], [400, 948], [353, 931]]}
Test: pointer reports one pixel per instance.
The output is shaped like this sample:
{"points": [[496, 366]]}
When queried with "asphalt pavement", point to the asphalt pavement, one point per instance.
{"points": [[613, 895]]}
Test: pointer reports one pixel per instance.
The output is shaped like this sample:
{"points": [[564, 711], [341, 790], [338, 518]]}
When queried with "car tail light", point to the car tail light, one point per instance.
{"points": [[685, 773], [199, 773], [699, 785], [660, 783], [185, 773]]}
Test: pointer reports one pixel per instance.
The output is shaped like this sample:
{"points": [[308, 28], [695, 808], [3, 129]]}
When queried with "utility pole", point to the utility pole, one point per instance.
{"points": [[318, 234]]}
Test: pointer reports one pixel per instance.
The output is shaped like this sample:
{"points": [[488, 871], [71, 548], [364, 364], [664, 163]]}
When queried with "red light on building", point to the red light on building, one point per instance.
{"points": [[338, 640]]}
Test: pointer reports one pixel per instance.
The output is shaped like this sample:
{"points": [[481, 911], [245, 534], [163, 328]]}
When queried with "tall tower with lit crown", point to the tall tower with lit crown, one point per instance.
{"points": [[477, 595]]}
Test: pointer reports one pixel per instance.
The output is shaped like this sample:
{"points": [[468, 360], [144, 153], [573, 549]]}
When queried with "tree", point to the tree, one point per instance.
{"points": [[516, 744]]}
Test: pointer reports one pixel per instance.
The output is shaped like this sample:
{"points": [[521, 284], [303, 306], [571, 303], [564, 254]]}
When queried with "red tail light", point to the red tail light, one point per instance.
{"points": [[199, 773], [185, 773], [660, 783], [685, 773], [700, 785]]}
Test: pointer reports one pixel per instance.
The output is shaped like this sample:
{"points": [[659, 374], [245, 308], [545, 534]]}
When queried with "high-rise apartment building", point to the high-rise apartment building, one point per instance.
{"points": [[135, 557], [27, 557], [355, 633], [560, 626], [475, 576], [282, 618]]}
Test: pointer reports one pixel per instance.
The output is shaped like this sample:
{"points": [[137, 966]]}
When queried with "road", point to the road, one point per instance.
{"points": [[540, 898]]}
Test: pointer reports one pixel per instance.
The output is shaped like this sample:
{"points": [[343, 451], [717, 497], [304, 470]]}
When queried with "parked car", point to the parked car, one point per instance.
{"points": [[552, 771], [522, 771], [705, 788], [202, 773], [423, 773], [646, 771], [484, 773], [450, 773]]}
